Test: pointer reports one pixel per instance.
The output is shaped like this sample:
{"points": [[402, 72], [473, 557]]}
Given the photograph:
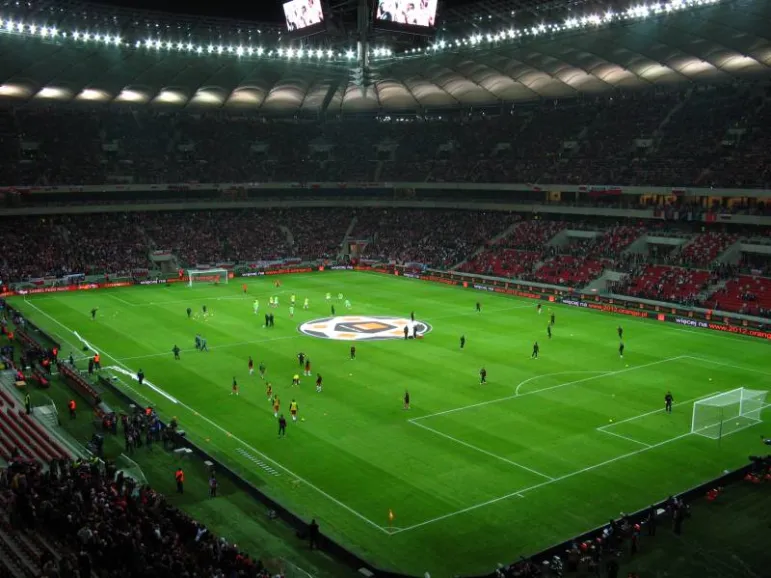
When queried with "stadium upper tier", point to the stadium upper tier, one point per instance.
{"points": [[702, 136], [58, 54]]}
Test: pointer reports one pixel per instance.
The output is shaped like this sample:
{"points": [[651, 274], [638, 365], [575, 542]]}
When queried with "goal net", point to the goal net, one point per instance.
{"points": [[727, 413], [207, 276]]}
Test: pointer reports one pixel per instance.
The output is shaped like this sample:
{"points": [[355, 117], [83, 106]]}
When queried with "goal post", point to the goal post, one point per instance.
{"points": [[207, 276], [726, 413]]}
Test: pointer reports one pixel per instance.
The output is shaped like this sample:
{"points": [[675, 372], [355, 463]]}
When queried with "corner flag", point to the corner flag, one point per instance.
{"points": [[390, 516]]}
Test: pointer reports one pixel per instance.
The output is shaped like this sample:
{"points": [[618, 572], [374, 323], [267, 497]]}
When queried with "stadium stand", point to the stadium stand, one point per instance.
{"points": [[569, 271], [664, 283], [516, 254], [658, 137], [705, 248], [746, 294], [77, 518], [441, 238]]}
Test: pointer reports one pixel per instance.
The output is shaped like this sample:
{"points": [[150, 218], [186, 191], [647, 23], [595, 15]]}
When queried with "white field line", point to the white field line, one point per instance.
{"points": [[519, 493], [536, 377], [482, 451], [242, 442], [655, 411], [737, 430], [550, 388], [119, 299], [767, 373], [225, 346], [614, 434]]}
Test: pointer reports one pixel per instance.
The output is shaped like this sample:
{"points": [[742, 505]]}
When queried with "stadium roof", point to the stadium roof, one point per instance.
{"points": [[708, 43]]}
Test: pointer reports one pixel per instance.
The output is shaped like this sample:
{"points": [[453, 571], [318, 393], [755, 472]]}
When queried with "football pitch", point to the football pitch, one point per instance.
{"points": [[474, 474]]}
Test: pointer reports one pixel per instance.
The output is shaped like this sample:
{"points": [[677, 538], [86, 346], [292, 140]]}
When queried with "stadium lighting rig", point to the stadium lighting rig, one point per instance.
{"points": [[362, 52]]}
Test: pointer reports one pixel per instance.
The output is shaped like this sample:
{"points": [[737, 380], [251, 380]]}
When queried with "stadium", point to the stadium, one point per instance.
{"points": [[386, 288]]}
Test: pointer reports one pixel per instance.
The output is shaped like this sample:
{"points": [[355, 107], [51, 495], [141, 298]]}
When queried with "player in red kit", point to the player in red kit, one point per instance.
{"points": [[251, 366], [308, 367]]}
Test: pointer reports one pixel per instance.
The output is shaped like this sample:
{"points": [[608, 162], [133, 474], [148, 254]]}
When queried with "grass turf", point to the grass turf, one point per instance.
{"points": [[475, 475]]}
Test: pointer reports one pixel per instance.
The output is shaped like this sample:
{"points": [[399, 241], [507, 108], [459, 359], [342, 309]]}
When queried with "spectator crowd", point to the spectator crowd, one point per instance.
{"points": [[685, 269], [707, 136], [106, 522]]}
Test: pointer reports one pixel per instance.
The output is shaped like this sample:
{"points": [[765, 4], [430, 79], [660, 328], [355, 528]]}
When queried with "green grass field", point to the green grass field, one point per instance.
{"points": [[475, 475]]}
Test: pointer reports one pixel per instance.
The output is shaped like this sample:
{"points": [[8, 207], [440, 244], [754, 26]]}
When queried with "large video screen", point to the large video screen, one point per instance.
{"points": [[410, 13], [303, 16]]}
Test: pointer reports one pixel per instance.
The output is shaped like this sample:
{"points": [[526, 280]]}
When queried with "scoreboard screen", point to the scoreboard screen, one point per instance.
{"points": [[413, 15], [304, 17]]}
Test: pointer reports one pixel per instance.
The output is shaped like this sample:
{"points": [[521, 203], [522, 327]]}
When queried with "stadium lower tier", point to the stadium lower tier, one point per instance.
{"points": [[664, 261]]}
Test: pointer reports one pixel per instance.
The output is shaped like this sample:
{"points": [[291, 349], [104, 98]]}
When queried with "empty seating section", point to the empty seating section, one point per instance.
{"points": [[570, 271], [705, 248], [20, 433], [746, 294], [502, 262], [616, 239], [662, 283]]}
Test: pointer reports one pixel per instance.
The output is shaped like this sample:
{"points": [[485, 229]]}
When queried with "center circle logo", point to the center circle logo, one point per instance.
{"points": [[362, 328]]}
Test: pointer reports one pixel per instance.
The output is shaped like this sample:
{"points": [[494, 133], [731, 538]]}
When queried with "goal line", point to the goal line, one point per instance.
{"points": [[215, 276]]}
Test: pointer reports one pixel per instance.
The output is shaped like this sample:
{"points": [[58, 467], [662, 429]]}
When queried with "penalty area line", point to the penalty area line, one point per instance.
{"points": [[550, 388], [655, 411], [482, 451], [236, 438], [520, 493]]}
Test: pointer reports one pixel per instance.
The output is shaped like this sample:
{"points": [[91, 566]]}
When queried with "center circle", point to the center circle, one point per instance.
{"points": [[363, 328]]}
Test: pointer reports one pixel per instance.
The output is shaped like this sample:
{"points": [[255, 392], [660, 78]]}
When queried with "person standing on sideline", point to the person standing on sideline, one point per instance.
{"points": [[212, 486], [28, 404], [651, 521], [313, 534], [179, 476], [72, 406]]}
